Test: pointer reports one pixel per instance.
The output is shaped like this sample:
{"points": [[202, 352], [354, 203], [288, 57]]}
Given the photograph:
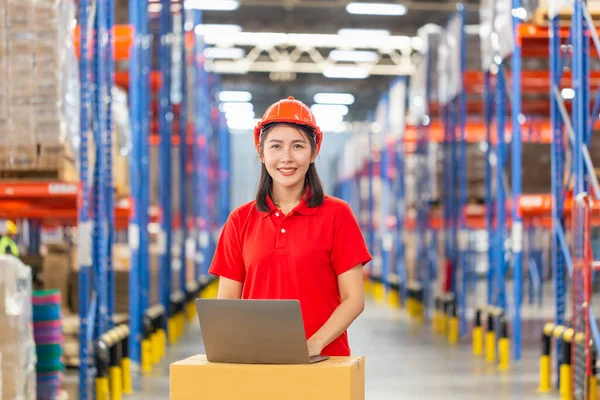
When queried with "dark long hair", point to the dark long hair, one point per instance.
{"points": [[312, 180]]}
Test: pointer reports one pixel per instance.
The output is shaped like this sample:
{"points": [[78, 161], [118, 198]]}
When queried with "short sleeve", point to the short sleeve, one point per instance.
{"points": [[349, 246], [228, 261]]}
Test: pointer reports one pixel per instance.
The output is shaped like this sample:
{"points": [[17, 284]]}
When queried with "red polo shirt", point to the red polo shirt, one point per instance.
{"points": [[293, 256]]}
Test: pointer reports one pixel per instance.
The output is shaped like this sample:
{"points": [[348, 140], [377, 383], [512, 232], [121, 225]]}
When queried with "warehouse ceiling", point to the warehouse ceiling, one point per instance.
{"points": [[319, 17]]}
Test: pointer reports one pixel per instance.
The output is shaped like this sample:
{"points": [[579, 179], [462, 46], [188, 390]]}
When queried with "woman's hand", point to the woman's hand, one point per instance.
{"points": [[315, 346]]}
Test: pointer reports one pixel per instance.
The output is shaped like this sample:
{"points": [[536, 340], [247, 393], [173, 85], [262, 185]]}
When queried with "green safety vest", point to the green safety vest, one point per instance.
{"points": [[8, 246]]}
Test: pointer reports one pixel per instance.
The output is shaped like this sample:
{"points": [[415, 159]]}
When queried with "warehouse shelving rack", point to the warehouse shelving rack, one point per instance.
{"points": [[503, 88], [585, 190], [454, 117], [91, 204], [390, 224]]}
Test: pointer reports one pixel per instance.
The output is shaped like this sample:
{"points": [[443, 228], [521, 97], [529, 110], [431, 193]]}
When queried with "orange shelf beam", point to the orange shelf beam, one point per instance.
{"points": [[122, 37], [532, 81]]}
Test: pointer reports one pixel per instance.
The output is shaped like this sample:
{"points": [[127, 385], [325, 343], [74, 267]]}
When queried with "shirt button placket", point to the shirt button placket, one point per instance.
{"points": [[282, 235]]}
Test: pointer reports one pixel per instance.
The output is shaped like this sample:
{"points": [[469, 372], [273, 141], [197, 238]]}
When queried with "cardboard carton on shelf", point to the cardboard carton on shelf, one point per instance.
{"points": [[339, 378]]}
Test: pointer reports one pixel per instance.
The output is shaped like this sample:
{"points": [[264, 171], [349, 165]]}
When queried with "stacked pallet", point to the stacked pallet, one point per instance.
{"points": [[541, 12], [38, 89]]}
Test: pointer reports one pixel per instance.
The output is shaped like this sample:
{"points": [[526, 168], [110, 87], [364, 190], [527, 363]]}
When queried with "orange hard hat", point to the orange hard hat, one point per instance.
{"points": [[290, 111]]}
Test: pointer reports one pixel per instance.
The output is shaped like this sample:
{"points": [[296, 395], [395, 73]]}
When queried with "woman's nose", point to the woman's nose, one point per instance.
{"points": [[286, 155]]}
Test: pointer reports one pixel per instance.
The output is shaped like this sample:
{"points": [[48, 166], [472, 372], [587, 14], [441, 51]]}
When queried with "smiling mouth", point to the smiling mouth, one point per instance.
{"points": [[287, 170]]}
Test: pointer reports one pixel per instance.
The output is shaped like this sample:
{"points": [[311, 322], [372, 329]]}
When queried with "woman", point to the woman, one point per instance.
{"points": [[293, 241]]}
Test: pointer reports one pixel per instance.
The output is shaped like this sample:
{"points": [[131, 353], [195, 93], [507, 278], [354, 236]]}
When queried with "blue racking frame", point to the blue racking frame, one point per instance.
{"points": [[85, 228], [516, 183], [139, 93], [96, 277], [183, 160], [165, 126], [454, 115], [497, 102], [96, 198], [384, 235], [579, 127]]}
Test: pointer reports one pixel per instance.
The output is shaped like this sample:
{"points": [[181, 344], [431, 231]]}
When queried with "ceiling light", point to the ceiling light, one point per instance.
{"points": [[239, 114], [329, 109], [334, 98], [217, 28], [215, 5], [354, 55], [346, 72], [154, 8], [220, 52], [242, 124], [376, 9], [364, 32], [567, 93], [235, 96], [236, 107]]}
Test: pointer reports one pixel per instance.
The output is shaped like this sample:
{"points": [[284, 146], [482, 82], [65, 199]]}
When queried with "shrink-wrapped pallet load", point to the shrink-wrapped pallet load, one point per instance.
{"points": [[17, 346]]}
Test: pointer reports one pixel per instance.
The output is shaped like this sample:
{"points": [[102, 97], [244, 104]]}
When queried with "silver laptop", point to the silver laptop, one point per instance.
{"points": [[254, 331]]}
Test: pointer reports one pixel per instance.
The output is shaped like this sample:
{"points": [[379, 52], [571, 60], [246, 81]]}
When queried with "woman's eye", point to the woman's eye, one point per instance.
{"points": [[275, 146], [299, 146]]}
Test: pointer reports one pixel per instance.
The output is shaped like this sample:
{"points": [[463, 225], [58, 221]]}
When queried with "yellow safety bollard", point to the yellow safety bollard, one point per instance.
{"points": [[435, 316], [114, 370], [102, 368], [477, 334], [155, 346], [126, 368], [394, 298], [504, 345], [566, 387], [102, 391], [147, 359], [379, 293], [171, 327], [191, 311], [411, 301], [181, 317], [146, 356], [490, 340], [593, 382], [444, 318], [162, 342], [545, 367], [453, 328], [127, 387]]}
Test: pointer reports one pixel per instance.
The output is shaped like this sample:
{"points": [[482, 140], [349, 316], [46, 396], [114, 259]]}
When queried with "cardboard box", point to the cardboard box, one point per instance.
{"points": [[56, 269], [339, 378]]}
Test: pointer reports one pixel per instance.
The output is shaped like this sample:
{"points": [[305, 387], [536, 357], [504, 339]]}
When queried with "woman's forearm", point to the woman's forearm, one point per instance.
{"points": [[348, 310]]}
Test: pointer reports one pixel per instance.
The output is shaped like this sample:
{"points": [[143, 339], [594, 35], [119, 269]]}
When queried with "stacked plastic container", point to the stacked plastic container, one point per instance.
{"points": [[47, 331]]}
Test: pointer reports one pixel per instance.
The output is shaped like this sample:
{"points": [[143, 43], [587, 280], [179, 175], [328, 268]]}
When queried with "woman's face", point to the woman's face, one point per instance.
{"points": [[287, 154]]}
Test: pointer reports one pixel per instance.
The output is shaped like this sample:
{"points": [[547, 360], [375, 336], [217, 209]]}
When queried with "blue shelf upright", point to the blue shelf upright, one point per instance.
{"points": [[516, 183], [452, 59], [139, 65], [96, 283], [457, 126], [489, 193], [165, 126], [202, 136], [499, 99], [384, 235], [183, 158], [108, 182], [86, 305]]}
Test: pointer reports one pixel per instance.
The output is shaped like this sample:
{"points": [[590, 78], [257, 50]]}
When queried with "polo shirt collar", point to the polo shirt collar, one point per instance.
{"points": [[301, 208]]}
